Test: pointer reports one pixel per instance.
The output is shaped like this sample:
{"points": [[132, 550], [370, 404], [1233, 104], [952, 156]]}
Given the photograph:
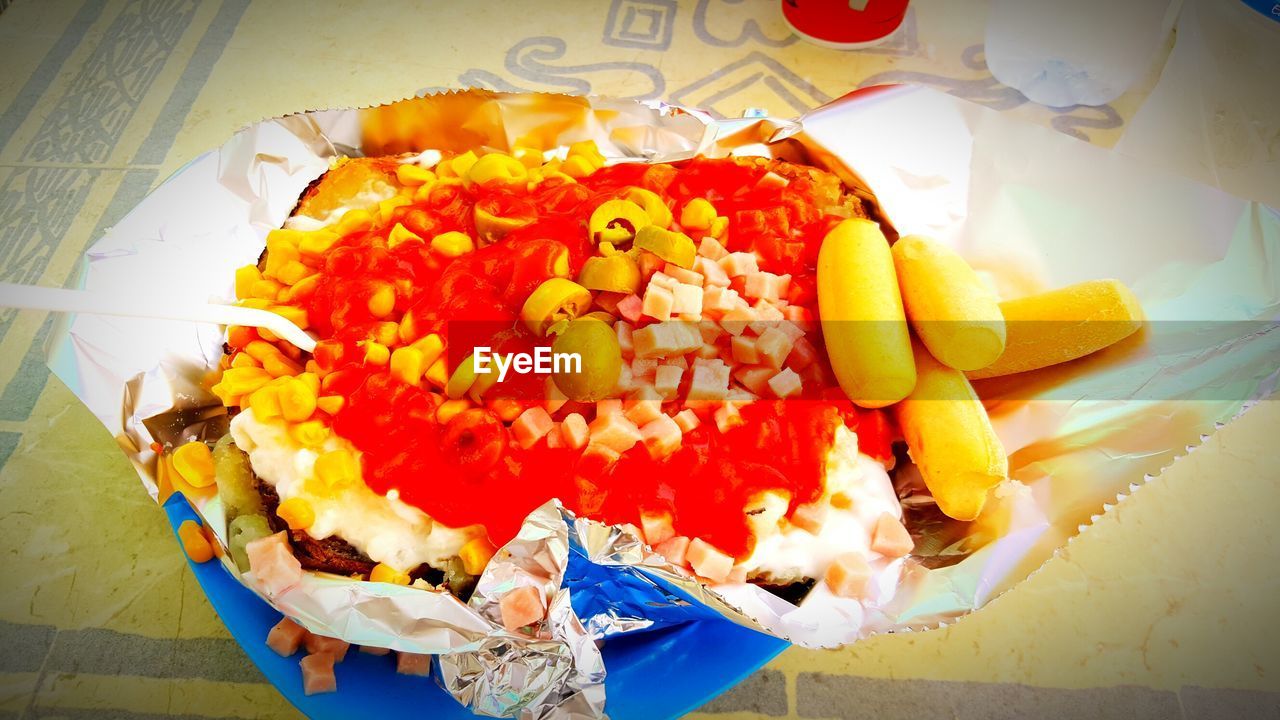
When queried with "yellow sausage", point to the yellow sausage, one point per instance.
{"points": [[950, 438], [1064, 324], [863, 323], [954, 314]]}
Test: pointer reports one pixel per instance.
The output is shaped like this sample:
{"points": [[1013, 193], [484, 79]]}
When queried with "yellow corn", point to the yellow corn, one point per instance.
{"points": [[265, 403], [311, 433], [292, 313], [698, 214], [261, 350], [354, 221], [497, 167], [452, 244], [388, 206], [337, 468], [317, 242], [401, 235], [530, 157], [266, 289], [506, 408], [450, 408], [279, 252], [387, 333], [410, 174], [311, 380], [376, 353], [718, 226], [244, 360], [246, 278], [238, 381], [438, 373], [280, 366], [462, 164], [194, 542], [387, 574], [407, 329], [587, 150], [194, 462], [382, 301], [293, 272], [431, 348], [577, 167], [407, 365], [330, 404], [297, 400], [256, 304], [296, 513], [475, 555]]}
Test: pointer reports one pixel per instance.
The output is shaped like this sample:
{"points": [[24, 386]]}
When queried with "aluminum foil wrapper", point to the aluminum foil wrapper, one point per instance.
{"points": [[1029, 207]]}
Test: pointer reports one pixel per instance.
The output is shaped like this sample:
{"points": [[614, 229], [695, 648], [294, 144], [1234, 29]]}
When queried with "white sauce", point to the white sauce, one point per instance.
{"points": [[368, 197], [385, 528]]}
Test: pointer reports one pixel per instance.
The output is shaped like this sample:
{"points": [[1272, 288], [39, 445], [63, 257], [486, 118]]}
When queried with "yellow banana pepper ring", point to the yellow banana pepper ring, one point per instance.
{"points": [[554, 300], [653, 205], [674, 247], [616, 273], [617, 221]]}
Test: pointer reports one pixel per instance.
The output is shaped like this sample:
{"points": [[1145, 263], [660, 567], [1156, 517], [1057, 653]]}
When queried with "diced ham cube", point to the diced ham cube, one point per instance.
{"points": [[767, 316], [727, 417], [623, 331], [649, 264], [644, 368], [681, 275], [739, 264], [286, 637], [661, 436], [674, 549], [658, 302], [413, 664], [848, 575], [785, 384], [710, 381], [317, 674], [667, 381], [809, 516], [521, 607], [890, 538], [735, 321], [709, 562], [790, 329], [687, 300], [607, 407], [631, 307], [666, 339], [687, 420], [710, 331], [737, 576], [603, 455], [555, 439], [721, 299], [803, 354], [531, 426], [708, 352], [644, 406], [677, 361], [774, 346], [608, 301], [772, 181], [615, 432], [712, 274], [574, 431], [711, 248], [755, 378], [744, 349], [274, 567], [799, 315], [625, 383], [657, 526], [740, 397], [372, 650], [663, 280], [317, 644], [766, 286]]}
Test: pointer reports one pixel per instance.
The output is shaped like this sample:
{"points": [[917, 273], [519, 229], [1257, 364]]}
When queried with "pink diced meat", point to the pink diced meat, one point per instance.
{"points": [[631, 307], [667, 381], [274, 567], [663, 280], [687, 420], [890, 538], [317, 674], [848, 575], [737, 575], [739, 264], [666, 339], [286, 637], [555, 439], [744, 349], [657, 527], [727, 417], [756, 378], [623, 332], [712, 274], [325, 645], [803, 354], [531, 426], [607, 406], [674, 549], [710, 381], [709, 562], [810, 517], [766, 286], [711, 248], [774, 346], [413, 664], [575, 431], [687, 300], [556, 398], [644, 368], [735, 321], [615, 432], [661, 436], [644, 406], [785, 384], [658, 302], [521, 607], [681, 275]]}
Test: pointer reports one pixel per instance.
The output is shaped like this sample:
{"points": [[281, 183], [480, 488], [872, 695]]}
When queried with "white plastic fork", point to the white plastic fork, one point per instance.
{"points": [[31, 297]]}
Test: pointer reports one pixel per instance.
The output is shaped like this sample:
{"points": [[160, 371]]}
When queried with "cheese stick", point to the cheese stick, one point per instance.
{"points": [[1064, 324], [950, 438], [954, 314], [863, 322]]}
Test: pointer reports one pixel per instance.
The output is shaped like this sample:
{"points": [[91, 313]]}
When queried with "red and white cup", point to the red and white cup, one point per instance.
{"points": [[844, 24]]}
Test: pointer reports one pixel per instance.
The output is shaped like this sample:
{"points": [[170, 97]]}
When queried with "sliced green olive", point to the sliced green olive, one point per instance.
{"points": [[674, 247], [653, 205], [555, 299], [616, 273], [597, 346], [617, 221]]}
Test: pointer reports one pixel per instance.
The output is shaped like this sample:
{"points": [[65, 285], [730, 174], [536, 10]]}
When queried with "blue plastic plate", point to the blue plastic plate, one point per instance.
{"points": [[659, 674]]}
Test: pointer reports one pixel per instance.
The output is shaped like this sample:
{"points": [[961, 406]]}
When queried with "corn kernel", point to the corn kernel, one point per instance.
{"points": [[530, 157], [337, 468], [266, 289], [382, 301], [194, 462], [476, 554], [388, 206], [302, 289], [698, 214], [410, 174], [296, 513], [431, 348], [718, 226], [265, 403], [407, 365], [279, 252], [497, 167], [293, 272], [401, 235], [387, 333], [246, 278], [461, 165], [238, 381], [438, 373], [506, 409], [387, 574], [279, 366], [577, 167], [354, 221], [261, 349], [317, 242], [311, 380], [244, 360], [297, 401], [376, 353], [450, 408], [408, 328], [587, 150], [452, 244], [330, 404], [194, 542], [239, 336], [256, 304], [292, 313]]}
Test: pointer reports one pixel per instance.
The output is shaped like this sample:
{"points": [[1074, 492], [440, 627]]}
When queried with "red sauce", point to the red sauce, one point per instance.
{"points": [[469, 471]]}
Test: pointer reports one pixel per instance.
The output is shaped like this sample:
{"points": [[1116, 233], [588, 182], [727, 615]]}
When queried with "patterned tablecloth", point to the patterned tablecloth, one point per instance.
{"points": [[1164, 608]]}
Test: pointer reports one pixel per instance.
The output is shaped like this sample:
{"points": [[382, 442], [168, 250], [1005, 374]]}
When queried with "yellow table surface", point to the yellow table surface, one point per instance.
{"points": [[1164, 609]]}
